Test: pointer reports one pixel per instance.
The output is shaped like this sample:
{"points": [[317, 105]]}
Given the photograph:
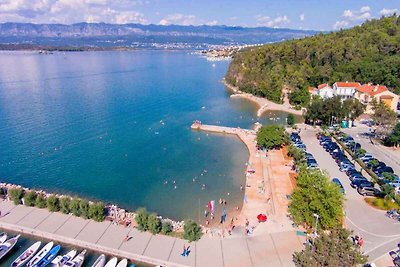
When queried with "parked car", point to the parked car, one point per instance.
{"points": [[338, 183], [369, 191], [366, 157], [361, 182]]}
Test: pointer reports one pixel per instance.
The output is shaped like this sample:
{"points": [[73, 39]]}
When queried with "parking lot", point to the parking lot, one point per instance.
{"points": [[379, 232]]}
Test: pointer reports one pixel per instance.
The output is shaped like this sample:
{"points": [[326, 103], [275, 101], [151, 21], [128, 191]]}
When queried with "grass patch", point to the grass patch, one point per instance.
{"points": [[381, 203]]}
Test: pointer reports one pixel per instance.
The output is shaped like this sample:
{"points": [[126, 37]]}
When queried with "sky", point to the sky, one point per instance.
{"points": [[295, 14]]}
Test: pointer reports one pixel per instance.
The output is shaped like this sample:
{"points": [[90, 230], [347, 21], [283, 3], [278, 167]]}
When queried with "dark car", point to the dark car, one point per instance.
{"points": [[361, 183], [369, 191], [338, 183]]}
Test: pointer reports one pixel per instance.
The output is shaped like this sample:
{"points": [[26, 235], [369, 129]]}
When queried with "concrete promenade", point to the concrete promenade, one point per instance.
{"points": [[264, 250]]}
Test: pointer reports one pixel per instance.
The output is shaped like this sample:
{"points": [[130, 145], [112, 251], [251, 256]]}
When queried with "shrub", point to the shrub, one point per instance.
{"points": [[166, 228], [74, 206], [40, 201], [96, 211], [153, 224], [272, 136], [191, 231], [53, 203], [65, 205], [290, 119], [15, 195], [84, 208], [30, 198], [141, 219]]}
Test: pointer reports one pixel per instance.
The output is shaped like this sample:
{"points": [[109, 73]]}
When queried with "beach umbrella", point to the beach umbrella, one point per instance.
{"points": [[261, 217]]}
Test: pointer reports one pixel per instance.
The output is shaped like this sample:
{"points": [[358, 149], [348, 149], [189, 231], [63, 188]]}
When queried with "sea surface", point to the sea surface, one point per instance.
{"points": [[115, 127]]}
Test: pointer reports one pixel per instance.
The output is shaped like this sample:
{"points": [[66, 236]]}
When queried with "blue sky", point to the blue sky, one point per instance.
{"points": [[297, 14]]}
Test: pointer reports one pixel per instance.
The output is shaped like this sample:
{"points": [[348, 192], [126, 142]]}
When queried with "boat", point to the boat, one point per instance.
{"points": [[60, 261], [26, 255], [3, 238], [100, 262], [112, 262], [7, 246], [40, 255], [49, 257], [123, 263], [77, 261]]}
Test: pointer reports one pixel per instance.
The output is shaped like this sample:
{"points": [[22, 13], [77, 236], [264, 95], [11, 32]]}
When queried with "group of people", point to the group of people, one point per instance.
{"points": [[357, 240]]}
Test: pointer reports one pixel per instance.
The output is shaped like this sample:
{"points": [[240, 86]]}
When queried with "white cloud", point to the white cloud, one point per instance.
{"points": [[179, 19], [71, 11], [267, 21], [351, 17], [302, 17], [388, 12], [212, 23]]}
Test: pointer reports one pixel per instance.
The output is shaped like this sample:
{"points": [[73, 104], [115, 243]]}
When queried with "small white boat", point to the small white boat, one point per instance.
{"points": [[77, 261], [26, 255], [100, 262], [7, 246], [3, 238], [40, 255], [123, 263], [112, 262], [60, 261]]}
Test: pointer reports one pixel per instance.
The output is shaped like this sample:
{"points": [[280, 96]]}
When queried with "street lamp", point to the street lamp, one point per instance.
{"points": [[316, 223]]}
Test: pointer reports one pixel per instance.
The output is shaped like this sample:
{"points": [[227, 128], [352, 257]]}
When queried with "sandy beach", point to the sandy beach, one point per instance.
{"points": [[263, 103]]}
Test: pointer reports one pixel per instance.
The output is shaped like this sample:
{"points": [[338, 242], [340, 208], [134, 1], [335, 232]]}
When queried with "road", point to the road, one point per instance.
{"points": [[380, 233], [388, 155]]}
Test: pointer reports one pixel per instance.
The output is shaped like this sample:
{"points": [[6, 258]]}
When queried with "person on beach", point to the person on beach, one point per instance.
{"points": [[241, 187], [205, 213]]}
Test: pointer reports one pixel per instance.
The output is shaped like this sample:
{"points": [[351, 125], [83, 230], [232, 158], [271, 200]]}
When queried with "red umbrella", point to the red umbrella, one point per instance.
{"points": [[262, 217]]}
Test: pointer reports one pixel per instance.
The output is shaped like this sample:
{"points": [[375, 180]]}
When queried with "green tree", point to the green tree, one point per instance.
{"points": [[16, 195], [96, 211], [296, 154], [84, 208], [271, 136], [53, 203], [191, 231], [64, 205], [166, 228], [383, 116], [290, 119], [299, 97], [40, 201], [141, 219], [75, 206], [333, 249], [30, 198], [393, 139], [315, 194], [153, 224]]}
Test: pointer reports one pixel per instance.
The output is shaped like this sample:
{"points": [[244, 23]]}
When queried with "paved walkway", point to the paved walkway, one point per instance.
{"points": [[274, 249], [379, 232]]}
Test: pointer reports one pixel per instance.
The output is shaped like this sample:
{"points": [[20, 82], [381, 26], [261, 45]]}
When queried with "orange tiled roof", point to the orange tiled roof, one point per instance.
{"points": [[347, 84], [310, 89], [371, 89], [322, 85]]}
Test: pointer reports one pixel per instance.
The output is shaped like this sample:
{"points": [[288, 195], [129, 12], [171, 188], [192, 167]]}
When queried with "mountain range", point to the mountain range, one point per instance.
{"points": [[139, 35]]}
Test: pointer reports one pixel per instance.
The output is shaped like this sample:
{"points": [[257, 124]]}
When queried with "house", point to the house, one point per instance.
{"points": [[323, 90], [368, 92], [346, 89]]}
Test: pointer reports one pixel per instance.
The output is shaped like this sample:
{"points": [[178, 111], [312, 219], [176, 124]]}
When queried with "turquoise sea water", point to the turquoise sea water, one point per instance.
{"points": [[115, 126]]}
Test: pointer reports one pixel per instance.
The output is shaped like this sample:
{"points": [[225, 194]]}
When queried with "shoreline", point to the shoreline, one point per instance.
{"points": [[263, 104]]}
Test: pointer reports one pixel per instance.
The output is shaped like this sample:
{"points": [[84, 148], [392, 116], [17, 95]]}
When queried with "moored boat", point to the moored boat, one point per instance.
{"points": [[26, 255], [100, 261], [60, 261], [7, 246], [3, 238], [123, 263], [77, 261], [40, 255], [112, 262], [49, 257]]}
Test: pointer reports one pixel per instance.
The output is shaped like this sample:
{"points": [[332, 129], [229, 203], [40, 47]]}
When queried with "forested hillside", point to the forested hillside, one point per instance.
{"points": [[366, 53]]}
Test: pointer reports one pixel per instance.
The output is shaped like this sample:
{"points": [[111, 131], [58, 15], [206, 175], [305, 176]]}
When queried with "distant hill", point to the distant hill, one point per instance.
{"points": [[366, 53], [138, 35]]}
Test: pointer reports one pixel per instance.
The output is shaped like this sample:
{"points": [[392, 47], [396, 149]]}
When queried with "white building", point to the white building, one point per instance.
{"points": [[346, 89], [325, 91]]}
